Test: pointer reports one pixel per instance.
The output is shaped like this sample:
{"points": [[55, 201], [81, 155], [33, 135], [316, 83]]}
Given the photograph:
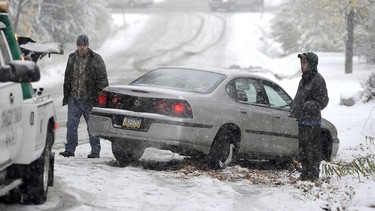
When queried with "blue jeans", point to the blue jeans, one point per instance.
{"points": [[77, 108]]}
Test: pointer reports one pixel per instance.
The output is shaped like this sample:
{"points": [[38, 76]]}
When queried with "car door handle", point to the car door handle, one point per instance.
{"points": [[243, 111], [277, 117]]}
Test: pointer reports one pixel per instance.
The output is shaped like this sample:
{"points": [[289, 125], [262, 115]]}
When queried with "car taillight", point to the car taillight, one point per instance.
{"points": [[161, 107], [176, 108], [102, 98], [115, 100]]}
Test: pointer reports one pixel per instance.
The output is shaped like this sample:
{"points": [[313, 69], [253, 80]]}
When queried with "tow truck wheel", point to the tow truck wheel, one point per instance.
{"points": [[14, 196], [36, 180]]}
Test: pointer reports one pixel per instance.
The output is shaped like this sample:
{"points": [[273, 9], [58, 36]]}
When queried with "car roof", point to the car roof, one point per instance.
{"points": [[230, 72]]}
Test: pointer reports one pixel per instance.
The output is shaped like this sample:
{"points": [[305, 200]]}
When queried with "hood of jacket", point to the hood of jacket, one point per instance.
{"points": [[312, 68]]}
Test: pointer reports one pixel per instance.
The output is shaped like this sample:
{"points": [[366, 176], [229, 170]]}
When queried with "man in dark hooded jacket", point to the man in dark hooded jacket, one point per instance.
{"points": [[310, 99], [85, 77]]}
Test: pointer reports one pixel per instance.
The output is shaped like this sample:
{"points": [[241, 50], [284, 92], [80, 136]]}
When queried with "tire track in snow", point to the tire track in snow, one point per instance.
{"points": [[218, 38], [203, 39]]}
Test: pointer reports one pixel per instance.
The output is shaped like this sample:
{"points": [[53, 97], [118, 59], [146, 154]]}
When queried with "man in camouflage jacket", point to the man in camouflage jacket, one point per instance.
{"points": [[85, 77]]}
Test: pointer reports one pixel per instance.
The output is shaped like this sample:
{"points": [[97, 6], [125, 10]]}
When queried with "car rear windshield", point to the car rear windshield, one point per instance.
{"points": [[189, 80]]}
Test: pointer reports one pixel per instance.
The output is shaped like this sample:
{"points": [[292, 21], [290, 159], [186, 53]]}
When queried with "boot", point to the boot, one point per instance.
{"points": [[67, 154], [93, 155]]}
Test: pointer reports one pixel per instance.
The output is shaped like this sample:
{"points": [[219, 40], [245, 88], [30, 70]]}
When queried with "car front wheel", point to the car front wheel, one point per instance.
{"points": [[222, 150]]}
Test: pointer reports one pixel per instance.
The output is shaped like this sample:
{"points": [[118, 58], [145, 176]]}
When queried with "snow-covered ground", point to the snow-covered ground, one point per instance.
{"points": [[99, 184]]}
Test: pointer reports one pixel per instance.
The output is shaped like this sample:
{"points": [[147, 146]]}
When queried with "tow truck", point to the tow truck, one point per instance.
{"points": [[27, 124]]}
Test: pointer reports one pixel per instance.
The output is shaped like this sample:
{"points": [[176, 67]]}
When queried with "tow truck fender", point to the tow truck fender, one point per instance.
{"points": [[37, 113]]}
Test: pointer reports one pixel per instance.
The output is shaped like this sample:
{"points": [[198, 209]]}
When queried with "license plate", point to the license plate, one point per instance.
{"points": [[130, 122]]}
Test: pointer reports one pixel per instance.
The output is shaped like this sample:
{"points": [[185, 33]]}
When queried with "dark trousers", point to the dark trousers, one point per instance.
{"points": [[76, 109], [310, 148]]}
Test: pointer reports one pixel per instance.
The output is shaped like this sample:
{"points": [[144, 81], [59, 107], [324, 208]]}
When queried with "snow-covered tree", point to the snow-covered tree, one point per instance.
{"points": [[368, 86], [325, 25], [302, 25], [365, 30], [61, 21]]}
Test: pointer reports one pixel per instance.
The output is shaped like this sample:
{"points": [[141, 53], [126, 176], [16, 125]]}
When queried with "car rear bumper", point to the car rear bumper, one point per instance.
{"points": [[160, 133]]}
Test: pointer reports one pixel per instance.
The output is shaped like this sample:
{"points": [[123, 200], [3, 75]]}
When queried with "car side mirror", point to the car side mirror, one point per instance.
{"points": [[20, 72]]}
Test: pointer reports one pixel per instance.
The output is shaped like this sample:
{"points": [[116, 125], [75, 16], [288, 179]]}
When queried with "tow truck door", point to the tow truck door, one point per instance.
{"points": [[10, 109], [6, 124]]}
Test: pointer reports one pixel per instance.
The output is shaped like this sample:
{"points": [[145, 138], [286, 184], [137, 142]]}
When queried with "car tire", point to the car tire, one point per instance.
{"points": [[127, 151], [37, 177], [222, 150]]}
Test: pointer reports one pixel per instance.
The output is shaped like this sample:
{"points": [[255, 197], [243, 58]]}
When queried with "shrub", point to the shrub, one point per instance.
{"points": [[368, 86]]}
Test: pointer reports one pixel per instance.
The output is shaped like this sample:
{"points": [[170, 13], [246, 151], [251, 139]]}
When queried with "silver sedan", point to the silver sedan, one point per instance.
{"points": [[226, 114]]}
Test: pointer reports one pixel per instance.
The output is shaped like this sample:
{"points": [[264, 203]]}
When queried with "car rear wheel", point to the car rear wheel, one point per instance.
{"points": [[222, 150], [127, 151]]}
